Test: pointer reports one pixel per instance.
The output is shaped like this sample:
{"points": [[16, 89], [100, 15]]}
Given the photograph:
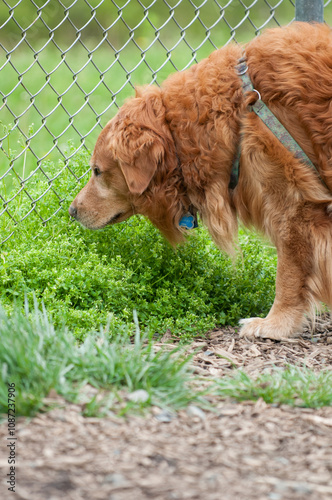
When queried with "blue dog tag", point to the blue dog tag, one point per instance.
{"points": [[188, 221]]}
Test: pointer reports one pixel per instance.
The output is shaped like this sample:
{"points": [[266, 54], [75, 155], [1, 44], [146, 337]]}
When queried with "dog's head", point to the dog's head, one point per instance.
{"points": [[106, 197], [132, 162]]}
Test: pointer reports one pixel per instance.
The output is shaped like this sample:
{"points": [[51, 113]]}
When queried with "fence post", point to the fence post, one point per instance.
{"points": [[309, 10]]}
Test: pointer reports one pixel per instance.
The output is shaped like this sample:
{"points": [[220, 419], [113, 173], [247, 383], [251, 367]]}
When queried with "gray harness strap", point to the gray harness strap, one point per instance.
{"points": [[271, 121]]}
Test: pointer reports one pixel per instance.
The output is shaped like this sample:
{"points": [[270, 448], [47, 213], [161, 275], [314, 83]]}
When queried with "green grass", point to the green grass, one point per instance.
{"points": [[38, 358], [44, 362], [292, 385]]}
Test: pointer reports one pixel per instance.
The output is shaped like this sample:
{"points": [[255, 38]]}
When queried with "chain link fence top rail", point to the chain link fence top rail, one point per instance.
{"points": [[67, 65]]}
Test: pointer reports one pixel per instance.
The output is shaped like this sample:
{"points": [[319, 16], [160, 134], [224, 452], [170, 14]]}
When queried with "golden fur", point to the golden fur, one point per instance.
{"points": [[172, 147]]}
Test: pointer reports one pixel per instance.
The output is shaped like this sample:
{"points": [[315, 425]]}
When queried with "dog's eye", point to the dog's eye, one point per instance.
{"points": [[96, 171]]}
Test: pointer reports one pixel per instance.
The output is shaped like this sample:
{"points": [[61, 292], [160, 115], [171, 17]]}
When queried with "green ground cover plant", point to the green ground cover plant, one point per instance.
{"points": [[86, 279]]}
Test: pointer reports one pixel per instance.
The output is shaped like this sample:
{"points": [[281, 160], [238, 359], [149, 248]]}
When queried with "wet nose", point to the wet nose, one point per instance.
{"points": [[73, 211]]}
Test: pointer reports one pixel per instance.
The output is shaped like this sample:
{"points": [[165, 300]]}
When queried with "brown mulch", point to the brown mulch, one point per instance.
{"points": [[247, 451]]}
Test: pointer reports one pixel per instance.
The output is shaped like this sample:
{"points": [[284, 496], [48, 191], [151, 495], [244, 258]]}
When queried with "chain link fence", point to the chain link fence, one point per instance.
{"points": [[67, 65]]}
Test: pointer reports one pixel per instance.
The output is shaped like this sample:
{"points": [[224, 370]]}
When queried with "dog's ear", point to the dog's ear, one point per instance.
{"points": [[143, 141], [140, 171]]}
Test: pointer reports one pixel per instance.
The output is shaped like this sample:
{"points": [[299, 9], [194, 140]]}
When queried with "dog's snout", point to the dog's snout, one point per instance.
{"points": [[73, 211]]}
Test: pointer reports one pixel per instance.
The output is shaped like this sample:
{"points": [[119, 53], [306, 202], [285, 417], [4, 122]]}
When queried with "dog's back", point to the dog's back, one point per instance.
{"points": [[292, 68]]}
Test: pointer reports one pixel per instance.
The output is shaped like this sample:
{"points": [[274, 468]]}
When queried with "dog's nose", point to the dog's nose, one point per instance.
{"points": [[72, 211]]}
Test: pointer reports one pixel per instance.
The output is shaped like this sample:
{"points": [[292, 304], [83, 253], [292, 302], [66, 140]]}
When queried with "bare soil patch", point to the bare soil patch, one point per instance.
{"points": [[248, 451]]}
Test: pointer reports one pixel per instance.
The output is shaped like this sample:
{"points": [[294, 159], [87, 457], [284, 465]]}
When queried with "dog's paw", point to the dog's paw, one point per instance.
{"points": [[253, 328]]}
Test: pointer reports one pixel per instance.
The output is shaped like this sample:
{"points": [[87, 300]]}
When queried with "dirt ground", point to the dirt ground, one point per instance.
{"points": [[247, 451]]}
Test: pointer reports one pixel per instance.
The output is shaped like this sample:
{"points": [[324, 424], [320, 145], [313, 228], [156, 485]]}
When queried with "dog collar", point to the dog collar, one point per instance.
{"points": [[271, 121]]}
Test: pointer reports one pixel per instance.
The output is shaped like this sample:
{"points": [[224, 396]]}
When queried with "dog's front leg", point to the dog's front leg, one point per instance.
{"points": [[286, 317]]}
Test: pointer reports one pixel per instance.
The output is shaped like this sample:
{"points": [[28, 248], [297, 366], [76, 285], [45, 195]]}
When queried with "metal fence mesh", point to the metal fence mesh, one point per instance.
{"points": [[66, 65]]}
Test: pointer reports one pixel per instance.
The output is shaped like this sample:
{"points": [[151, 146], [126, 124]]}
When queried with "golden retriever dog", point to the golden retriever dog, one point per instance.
{"points": [[170, 151]]}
